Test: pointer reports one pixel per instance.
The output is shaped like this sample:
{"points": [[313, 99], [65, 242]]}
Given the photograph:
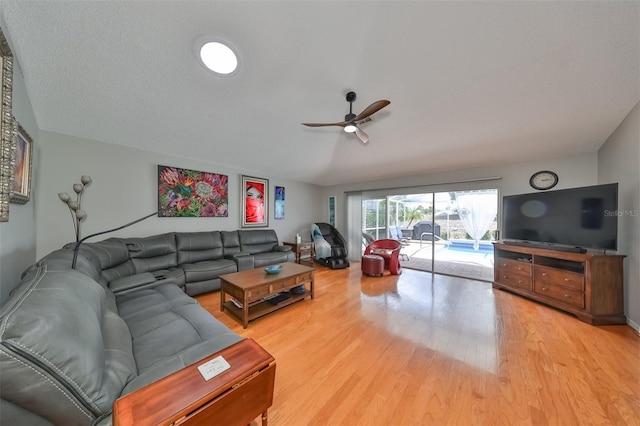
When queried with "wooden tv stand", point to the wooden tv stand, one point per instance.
{"points": [[234, 397], [589, 286]]}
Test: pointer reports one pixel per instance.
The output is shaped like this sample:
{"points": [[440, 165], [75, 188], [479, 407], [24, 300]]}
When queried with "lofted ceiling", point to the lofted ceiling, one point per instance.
{"points": [[470, 83]]}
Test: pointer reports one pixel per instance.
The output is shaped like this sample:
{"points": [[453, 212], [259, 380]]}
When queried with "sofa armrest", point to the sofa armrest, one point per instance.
{"points": [[243, 260], [282, 248], [237, 254], [132, 282]]}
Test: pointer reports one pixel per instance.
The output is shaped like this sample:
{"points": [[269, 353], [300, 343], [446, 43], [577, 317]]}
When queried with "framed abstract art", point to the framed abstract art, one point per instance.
{"points": [[191, 193], [255, 201], [21, 188], [279, 203]]}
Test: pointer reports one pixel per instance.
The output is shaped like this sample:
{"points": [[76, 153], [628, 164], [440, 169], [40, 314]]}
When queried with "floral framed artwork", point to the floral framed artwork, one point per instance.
{"points": [[279, 203], [332, 211], [191, 193], [21, 187], [255, 201]]}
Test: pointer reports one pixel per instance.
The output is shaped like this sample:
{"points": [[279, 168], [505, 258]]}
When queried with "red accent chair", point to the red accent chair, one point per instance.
{"points": [[389, 250]]}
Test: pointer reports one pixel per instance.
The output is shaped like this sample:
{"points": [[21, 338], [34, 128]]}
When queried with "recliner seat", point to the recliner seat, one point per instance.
{"points": [[338, 258]]}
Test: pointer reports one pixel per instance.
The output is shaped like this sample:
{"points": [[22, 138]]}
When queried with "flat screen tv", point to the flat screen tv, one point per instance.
{"points": [[585, 217]]}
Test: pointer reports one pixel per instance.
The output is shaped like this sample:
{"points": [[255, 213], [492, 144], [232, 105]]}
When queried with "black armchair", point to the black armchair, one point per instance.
{"points": [[338, 258]]}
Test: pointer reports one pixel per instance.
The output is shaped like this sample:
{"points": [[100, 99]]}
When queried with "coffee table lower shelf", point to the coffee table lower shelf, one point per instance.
{"points": [[262, 308]]}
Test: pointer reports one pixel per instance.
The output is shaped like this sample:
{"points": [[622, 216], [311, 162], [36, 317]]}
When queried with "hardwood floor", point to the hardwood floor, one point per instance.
{"points": [[430, 349]]}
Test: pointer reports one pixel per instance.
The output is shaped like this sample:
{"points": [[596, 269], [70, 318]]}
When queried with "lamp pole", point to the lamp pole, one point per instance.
{"points": [[77, 246]]}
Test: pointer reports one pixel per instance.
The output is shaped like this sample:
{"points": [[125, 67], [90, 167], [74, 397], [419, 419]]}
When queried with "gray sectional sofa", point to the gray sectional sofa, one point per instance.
{"points": [[193, 260], [73, 341]]}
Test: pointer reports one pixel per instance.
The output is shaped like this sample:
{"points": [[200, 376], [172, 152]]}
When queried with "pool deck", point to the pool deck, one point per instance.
{"points": [[464, 263]]}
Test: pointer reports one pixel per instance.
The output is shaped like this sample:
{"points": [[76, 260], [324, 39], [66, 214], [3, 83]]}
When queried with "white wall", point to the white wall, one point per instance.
{"points": [[125, 188], [619, 161], [573, 171], [18, 236]]}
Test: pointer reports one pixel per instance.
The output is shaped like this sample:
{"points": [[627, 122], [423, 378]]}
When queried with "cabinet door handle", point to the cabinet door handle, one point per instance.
{"points": [[544, 274], [519, 268], [520, 281], [544, 289], [566, 279], [567, 296]]}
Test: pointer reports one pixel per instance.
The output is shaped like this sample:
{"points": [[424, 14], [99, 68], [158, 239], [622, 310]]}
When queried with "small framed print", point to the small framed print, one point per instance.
{"points": [[21, 189], [332, 211], [279, 203], [255, 202]]}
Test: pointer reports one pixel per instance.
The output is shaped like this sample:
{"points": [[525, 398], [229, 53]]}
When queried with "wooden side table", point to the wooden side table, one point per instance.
{"points": [[234, 397], [305, 251]]}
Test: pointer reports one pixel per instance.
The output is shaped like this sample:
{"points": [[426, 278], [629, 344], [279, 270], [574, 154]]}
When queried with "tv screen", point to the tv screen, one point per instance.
{"points": [[584, 217]]}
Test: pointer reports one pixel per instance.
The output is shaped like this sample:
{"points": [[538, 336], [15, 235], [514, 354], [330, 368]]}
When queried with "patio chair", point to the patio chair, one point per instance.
{"points": [[395, 233], [389, 250]]}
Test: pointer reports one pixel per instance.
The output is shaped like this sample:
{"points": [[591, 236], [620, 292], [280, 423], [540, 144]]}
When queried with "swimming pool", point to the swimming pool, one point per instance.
{"points": [[485, 247]]}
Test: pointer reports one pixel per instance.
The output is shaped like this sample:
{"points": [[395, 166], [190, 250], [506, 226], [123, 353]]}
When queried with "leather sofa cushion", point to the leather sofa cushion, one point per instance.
{"points": [[110, 252], [132, 282], [113, 255], [87, 262], [198, 246], [230, 242], [153, 253], [258, 241], [271, 258], [64, 354], [149, 302], [164, 311], [203, 271], [197, 335]]}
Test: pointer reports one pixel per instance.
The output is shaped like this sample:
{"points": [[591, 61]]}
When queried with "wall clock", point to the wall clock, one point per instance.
{"points": [[543, 180]]}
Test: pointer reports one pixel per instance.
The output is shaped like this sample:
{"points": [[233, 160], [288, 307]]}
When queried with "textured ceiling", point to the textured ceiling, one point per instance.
{"points": [[470, 83]]}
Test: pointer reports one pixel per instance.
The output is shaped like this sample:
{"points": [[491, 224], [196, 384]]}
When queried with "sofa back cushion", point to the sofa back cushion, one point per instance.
{"points": [[198, 246], [231, 242], [64, 353], [86, 262], [153, 253], [113, 255], [257, 241]]}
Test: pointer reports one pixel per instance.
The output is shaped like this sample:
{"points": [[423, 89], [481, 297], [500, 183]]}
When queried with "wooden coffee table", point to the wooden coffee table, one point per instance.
{"points": [[253, 287]]}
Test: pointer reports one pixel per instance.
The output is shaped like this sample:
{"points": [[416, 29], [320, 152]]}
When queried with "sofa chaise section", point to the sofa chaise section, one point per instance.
{"points": [[69, 347]]}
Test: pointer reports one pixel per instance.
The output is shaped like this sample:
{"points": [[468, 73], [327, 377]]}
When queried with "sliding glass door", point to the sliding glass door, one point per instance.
{"points": [[467, 225], [444, 232]]}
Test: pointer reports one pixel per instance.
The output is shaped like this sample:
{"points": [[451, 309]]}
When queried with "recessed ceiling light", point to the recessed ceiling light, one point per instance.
{"points": [[219, 57]]}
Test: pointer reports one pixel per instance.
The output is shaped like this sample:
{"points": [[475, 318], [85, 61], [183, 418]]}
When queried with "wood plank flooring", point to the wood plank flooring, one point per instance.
{"points": [[424, 349]]}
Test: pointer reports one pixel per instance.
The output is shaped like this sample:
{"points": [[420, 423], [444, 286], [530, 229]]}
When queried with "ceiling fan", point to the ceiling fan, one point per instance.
{"points": [[351, 121]]}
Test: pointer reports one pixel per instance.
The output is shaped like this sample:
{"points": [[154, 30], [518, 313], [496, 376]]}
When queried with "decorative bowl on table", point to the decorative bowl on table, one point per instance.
{"points": [[273, 269]]}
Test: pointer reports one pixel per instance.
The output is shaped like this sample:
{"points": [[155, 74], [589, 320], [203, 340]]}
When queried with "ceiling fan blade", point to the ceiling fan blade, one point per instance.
{"points": [[371, 109], [340, 123], [362, 135]]}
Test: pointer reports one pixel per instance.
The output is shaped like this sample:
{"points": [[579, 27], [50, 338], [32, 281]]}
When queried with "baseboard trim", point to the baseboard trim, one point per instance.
{"points": [[633, 325]]}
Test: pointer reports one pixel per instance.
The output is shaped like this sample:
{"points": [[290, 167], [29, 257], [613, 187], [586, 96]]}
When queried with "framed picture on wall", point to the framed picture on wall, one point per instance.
{"points": [[191, 193], [21, 189], [7, 127], [279, 203], [255, 202], [332, 211]]}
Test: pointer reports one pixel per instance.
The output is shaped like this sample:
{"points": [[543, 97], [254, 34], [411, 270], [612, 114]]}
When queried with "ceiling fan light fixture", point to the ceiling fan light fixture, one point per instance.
{"points": [[218, 57], [350, 128]]}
